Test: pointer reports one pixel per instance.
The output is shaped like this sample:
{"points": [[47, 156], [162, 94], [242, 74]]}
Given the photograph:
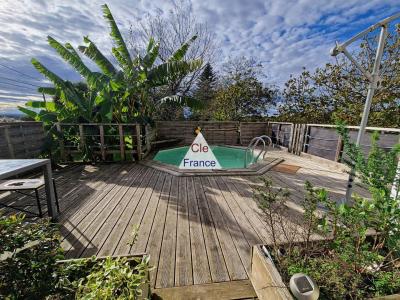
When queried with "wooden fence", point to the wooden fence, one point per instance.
{"points": [[104, 141], [133, 141], [226, 133], [21, 139]]}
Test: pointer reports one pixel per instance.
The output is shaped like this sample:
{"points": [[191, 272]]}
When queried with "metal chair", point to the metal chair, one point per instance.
{"points": [[20, 185]]}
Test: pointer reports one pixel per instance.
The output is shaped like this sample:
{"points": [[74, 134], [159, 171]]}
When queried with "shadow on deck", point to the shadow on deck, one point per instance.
{"points": [[197, 230]]}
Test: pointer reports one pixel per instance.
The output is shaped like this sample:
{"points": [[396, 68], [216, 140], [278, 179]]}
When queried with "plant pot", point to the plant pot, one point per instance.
{"points": [[267, 281], [132, 259]]}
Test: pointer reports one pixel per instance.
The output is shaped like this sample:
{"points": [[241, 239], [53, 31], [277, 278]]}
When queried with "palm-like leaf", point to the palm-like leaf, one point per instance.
{"points": [[181, 52], [116, 35], [182, 101], [152, 53], [72, 57], [47, 90], [96, 56], [57, 81], [164, 73]]}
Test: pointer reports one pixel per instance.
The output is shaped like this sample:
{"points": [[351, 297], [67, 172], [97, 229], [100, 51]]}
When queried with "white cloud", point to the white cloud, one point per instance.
{"points": [[284, 34]]}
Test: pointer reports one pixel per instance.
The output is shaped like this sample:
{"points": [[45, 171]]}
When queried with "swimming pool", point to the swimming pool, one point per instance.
{"points": [[228, 157]]}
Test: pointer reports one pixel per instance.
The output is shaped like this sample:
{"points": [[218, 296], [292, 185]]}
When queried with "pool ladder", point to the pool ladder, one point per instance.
{"points": [[253, 144]]}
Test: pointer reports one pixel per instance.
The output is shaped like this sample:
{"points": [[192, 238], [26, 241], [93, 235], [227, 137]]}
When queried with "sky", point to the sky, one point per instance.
{"points": [[284, 35]]}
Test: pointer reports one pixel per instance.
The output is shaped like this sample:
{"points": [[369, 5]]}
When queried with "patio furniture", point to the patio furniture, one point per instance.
{"points": [[14, 167], [20, 185]]}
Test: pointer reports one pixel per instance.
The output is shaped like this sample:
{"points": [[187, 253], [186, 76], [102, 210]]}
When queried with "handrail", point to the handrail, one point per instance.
{"points": [[253, 143], [269, 140]]}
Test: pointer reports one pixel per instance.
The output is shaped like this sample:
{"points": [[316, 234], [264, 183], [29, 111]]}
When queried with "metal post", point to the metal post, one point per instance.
{"points": [[371, 90]]}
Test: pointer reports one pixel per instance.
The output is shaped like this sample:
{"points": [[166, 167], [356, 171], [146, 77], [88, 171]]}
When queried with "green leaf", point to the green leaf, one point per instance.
{"points": [[116, 35], [95, 55], [181, 52], [71, 56], [47, 90], [50, 106], [164, 73], [182, 101], [50, 75], [28, 112]]}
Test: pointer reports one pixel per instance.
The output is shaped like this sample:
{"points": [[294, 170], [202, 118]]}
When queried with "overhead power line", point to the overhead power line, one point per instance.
{"points": [[19, 72], [17, 85], [19, 81]]}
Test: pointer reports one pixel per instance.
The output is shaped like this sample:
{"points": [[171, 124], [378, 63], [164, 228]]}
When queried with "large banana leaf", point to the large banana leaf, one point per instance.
{"points": [[116, 35], [47, 90], [181, 52], [152, 53], [57, 81], [182, 101], [165, 72], [95, 55], [28, 112], [50, 106], [94, 79]]}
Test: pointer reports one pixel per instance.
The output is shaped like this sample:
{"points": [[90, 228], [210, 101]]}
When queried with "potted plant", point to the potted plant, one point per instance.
{"points": [[351, 250]]}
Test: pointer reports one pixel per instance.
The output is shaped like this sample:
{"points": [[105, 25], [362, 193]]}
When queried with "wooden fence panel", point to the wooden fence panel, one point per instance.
{"points": [[215, 132], [325, 142], [21, 139], [249, 130]]}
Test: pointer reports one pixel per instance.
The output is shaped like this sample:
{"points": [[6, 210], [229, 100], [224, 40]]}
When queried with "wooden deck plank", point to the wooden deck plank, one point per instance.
{"points": [[89, 226], [240, 289], [183, 266], [216, 258], [137, 217], [105, 241], [111, 244], [232, 259], [240, 240], [249, 232], [118, 245], [201, 270], [166, 263], [65, 186], [154, 245], [148, 218], [71, 219], [250, 213], [84, 194]]}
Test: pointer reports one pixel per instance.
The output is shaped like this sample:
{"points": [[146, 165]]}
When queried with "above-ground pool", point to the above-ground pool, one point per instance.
{"points": [[228, 157]]}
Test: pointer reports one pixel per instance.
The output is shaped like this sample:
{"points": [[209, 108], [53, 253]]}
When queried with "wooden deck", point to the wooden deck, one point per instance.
{"points": [[197, 230]]}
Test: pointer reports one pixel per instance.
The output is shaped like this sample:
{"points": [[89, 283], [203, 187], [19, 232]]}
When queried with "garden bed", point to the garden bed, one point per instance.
{"points": [[271, 280]]}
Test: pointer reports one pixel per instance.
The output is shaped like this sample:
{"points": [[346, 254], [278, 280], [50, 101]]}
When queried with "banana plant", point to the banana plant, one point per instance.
{"points": [[122, 93]]}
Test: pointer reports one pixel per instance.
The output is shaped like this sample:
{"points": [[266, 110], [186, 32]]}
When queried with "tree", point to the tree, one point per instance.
{"points": [[171, 32], [302, 104], [241, 94], [122, 93], [338, 91], [205, 92]]}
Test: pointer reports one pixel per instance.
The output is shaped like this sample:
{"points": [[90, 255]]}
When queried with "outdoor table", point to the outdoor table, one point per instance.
{"points": [[13, 167]]}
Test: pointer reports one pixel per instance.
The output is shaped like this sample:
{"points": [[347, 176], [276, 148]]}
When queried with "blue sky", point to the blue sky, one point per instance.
{"points": [[284, 35]]}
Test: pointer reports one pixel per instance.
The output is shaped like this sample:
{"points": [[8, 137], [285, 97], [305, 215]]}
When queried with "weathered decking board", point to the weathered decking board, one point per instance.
{"points": [[197, 230]]}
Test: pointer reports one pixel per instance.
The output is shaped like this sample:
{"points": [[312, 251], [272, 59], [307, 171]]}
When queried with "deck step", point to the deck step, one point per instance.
{"points": [[229, 290]]}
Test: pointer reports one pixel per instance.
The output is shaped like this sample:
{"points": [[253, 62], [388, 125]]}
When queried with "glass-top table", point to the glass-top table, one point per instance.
{"points": [[13, 167]]}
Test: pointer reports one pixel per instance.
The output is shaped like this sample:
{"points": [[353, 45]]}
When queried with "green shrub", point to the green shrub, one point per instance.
{"points": [[358, 248], [28, 252]]}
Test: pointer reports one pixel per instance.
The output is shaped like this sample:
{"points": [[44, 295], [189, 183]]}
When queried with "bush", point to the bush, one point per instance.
{"points": [[351, 249], [28, 255], [29, 252]]}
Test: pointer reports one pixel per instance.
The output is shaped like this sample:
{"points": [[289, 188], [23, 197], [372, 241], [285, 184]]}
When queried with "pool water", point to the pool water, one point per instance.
{"points": [[228, 157]]}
